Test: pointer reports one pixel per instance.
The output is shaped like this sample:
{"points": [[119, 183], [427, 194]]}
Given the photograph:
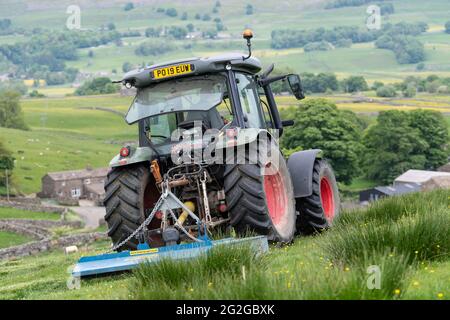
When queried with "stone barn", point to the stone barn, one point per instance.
{"points": [[77, 184]]}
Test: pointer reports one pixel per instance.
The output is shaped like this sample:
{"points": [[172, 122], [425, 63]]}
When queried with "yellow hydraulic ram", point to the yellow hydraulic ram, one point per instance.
{"points": [[182, 218]]}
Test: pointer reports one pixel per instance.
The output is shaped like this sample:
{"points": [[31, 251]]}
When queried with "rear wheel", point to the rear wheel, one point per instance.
{"points": [[317, 212], [260, 199], [128, 195]]}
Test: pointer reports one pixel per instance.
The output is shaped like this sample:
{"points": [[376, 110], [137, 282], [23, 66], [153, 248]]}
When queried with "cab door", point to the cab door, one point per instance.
{"points": [[249, 101]]}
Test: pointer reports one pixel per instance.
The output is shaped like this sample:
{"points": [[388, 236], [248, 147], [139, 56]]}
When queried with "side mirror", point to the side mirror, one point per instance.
{"points": [[287, 123], [296, 86]]}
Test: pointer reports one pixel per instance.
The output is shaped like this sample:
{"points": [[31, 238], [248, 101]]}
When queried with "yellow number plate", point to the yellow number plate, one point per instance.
{"points": [[172, 71], [137, 252]]}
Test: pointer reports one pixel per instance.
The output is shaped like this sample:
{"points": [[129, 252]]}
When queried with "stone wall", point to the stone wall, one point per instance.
{"points": [[36, 247], [37, 229], [30, 206], [22, 200]]}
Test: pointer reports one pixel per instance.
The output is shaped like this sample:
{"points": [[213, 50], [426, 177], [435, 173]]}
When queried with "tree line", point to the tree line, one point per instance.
{"points": [[411, 85], [44, 55], [323, 83], [396, 37], [396, 142]]}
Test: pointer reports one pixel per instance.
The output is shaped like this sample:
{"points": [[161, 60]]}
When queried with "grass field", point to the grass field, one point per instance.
{"points": [[63, 136], [13, 213], [412, 253], [8, 239]]}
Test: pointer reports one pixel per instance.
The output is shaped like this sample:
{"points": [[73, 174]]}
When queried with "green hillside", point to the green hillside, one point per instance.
{"points": [[364, 59]]}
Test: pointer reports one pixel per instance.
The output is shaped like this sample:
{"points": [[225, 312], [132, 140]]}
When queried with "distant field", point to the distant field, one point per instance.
{"points": [[363, 59]]}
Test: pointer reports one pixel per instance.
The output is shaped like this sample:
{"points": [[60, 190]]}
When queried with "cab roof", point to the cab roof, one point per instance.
{"points": [[143, 77]]}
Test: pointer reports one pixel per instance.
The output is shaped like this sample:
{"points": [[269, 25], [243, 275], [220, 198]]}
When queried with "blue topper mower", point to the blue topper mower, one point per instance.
{"points": [[208, 159]]}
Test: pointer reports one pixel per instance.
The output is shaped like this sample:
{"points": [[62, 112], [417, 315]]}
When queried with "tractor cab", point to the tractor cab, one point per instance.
{"points": [[218, 92]]}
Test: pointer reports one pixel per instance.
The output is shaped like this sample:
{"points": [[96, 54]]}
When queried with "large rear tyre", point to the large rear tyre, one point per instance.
{"points": [[124, 202], [260, 199], [317, 212]]}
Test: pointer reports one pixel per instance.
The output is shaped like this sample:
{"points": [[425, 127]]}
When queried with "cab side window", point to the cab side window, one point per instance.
{"points": [[250, 103], [267, 115]]}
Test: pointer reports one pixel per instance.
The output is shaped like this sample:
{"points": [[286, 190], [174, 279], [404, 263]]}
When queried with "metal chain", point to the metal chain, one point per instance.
{"points": [[135, 232]]}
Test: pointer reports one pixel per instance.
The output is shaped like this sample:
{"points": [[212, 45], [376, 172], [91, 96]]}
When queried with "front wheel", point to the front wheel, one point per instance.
{"points": [[317, 211]]}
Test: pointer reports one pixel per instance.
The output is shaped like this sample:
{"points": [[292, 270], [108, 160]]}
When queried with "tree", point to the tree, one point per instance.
{"points": [[386, 92], [407, 49], [209, 34], [127, 66], [410, 91], [206, 17], [220, 26], [376, 85], [152, 32], [355, 84], [5, 24], [190, 27], [433, 129], [11, 115], [447, 27], [249, 9], [177, 32], [184, 16], [420, 66], [153, 48], [100, 85], [171, 12], [386, 8], [319, 124], [129, 6], [392, 147], [6, 164], [111, 26]]}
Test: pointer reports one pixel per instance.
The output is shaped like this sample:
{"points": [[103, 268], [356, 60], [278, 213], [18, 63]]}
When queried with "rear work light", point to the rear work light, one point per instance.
{"points": [[125, 152]]}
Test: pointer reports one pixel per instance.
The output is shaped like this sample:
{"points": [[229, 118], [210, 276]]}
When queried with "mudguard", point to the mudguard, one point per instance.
{"points": [[139, 154], [301, 165]]}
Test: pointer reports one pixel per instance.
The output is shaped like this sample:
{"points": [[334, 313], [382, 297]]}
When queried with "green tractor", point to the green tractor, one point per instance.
{"points": [[208, 132]]}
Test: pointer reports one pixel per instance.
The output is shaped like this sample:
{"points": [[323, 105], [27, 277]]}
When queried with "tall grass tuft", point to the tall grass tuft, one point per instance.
{"points": [[393, 235], [416, 226], [196, 278]]}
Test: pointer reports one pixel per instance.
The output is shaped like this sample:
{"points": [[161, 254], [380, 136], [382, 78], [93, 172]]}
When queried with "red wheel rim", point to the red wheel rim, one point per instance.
{"points": [[327, 198], [276, 197]]}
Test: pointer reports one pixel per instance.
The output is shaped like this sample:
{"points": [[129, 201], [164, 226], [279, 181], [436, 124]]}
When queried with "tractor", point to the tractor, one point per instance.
{"points": [[222, 106]]}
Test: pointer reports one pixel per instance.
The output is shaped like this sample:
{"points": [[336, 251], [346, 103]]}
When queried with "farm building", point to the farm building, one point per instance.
{"points": [[437, 183], [387, 191], [418, 176], [410, 181], [85, 184], [444, 168]]}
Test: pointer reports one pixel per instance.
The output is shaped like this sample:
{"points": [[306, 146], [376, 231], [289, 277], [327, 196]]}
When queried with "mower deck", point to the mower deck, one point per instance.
{"points": [[127, 260]]}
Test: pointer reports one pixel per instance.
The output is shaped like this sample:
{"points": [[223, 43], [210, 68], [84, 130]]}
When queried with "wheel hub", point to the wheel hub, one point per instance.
{"points": [[277, 202], [327, 198]]}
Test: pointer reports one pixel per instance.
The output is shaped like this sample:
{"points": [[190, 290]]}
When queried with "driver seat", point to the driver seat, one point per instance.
{"points": [[211, 118]]}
